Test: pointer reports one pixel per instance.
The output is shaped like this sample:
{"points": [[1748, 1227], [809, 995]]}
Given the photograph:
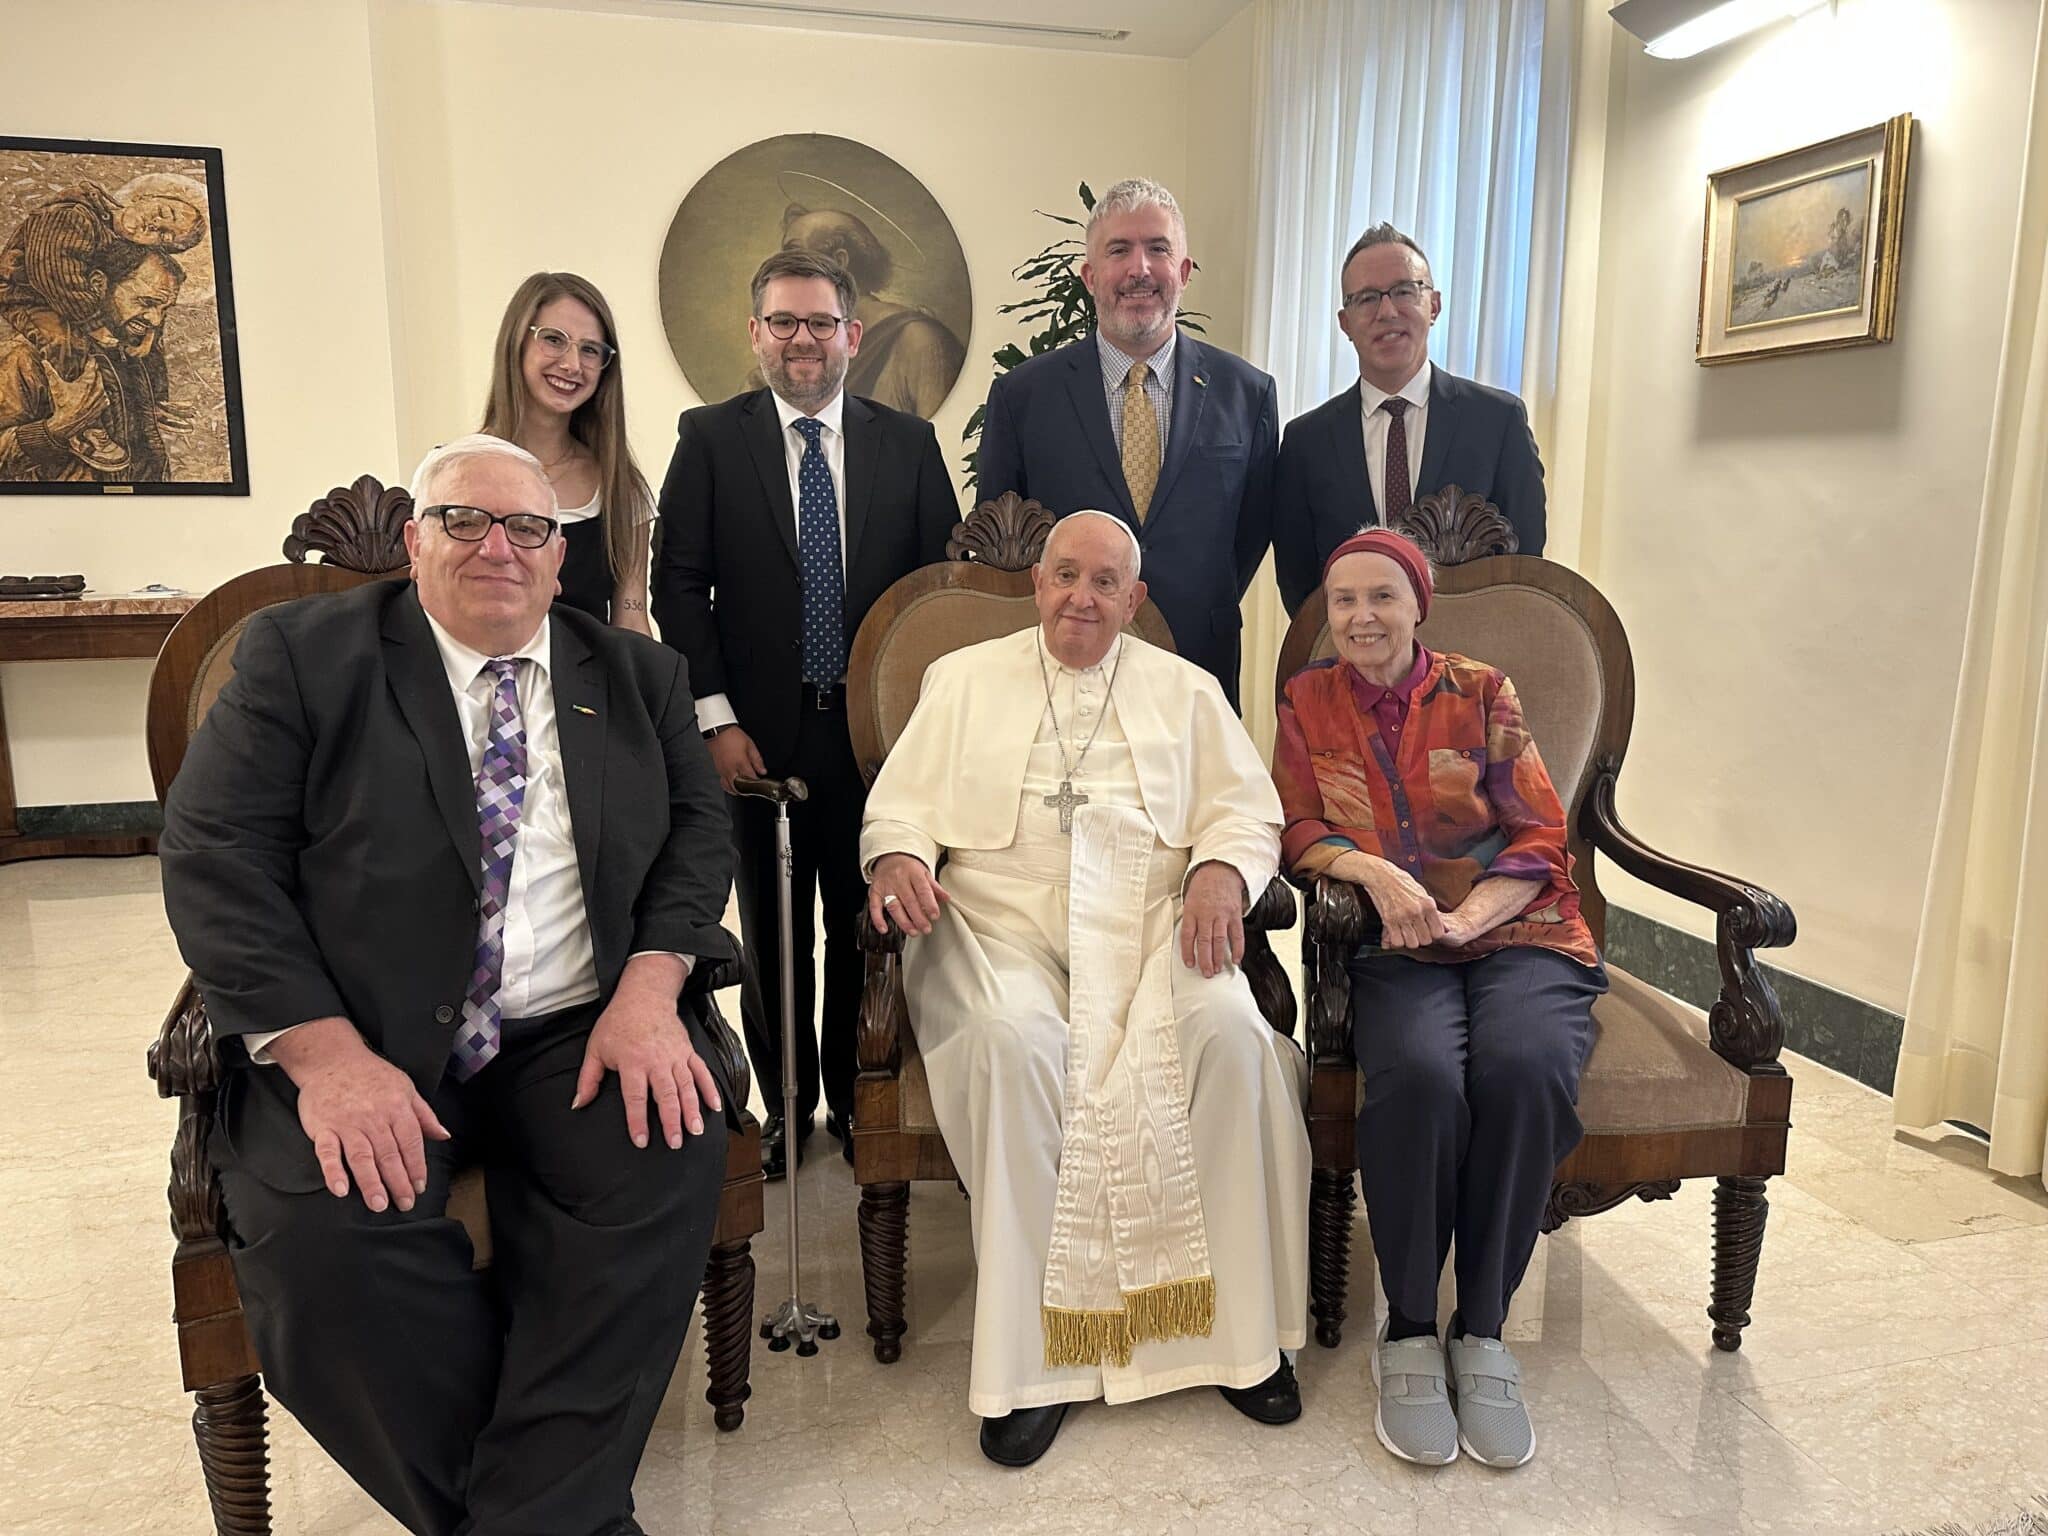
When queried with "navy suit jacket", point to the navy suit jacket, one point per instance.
{"points": [[1478, 438], [1046, 435]]}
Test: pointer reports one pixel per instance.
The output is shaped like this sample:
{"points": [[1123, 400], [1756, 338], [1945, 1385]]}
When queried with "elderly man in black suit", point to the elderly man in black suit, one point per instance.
{"points": [[786, 512], [441, 862], [1405, 430]]}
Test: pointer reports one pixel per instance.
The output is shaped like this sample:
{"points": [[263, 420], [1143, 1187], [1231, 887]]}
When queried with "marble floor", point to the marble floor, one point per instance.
{"points": [[1892, 1379]]}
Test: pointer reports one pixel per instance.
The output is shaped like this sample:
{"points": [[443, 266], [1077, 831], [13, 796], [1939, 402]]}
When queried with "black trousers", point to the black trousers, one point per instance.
{"points": [[824, 837], [515, 1400], [1471, 1102]]}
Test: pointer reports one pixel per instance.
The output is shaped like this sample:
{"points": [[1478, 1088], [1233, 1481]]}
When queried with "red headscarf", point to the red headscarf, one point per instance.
{"points": [[1400, 549]]}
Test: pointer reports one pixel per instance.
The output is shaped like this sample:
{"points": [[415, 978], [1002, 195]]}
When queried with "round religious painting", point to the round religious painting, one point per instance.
{"points": [[840, 199]]}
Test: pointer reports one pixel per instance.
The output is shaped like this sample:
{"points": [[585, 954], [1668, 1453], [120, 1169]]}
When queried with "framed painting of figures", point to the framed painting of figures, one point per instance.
{"points": [[118, 367], [838, 198], [1801, 249]]}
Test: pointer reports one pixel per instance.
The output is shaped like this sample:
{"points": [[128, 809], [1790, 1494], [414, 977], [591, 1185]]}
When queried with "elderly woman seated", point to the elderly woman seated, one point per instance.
{"points": [[1410, 773]]}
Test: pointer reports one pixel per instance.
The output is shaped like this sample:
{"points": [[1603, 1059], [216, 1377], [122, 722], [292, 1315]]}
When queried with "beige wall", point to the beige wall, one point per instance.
{"points": [[394, 167], [282, 91], [1789, 542]]}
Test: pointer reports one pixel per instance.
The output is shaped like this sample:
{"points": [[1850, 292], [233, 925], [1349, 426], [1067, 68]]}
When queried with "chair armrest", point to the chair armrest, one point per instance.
{"points": [[1339, 920], [1275, 911], [878, 1046], [1745, 1025], [184, 1060]]}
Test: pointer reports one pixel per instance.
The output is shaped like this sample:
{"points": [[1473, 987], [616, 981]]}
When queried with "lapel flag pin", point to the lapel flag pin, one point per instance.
{"points": [[583, 709], [1201, 381]]}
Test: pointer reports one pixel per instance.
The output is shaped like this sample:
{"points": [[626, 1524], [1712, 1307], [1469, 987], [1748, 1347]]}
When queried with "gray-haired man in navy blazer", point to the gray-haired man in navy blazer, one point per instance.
{"points": [[1174, 437], [1433, 428]]}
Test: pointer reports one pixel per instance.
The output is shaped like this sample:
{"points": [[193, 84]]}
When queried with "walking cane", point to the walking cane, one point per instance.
{"points": [[796, 1320]]}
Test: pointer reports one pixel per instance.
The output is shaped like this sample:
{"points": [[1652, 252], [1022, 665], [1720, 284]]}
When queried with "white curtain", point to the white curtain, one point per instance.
{"points": [[1441, 117], [1976, 1041]]}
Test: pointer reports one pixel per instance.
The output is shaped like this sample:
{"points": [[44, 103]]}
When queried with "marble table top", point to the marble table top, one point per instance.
{"points": [[97, 606]]}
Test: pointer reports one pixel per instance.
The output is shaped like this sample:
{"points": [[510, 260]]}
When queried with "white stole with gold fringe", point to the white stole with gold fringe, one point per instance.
{"points": [[1129, 1259]]}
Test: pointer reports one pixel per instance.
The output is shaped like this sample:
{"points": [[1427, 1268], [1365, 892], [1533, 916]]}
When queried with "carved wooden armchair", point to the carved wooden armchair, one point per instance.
{"points": [[983, 590], [357, 531], [1665, 1095]]}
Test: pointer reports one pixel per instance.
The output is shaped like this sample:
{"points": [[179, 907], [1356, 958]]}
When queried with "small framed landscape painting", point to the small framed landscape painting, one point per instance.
{"points": [[1801, 249]]}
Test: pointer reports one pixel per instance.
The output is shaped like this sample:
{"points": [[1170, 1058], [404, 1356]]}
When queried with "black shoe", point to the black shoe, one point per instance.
{"points": [[1020, 1437], [1276, 1400], [774, 1149], [839, 1128]]}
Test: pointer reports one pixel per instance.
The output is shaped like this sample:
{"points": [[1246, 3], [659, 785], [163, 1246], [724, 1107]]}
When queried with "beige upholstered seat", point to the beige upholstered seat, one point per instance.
{"points": [[1651, 1067]]}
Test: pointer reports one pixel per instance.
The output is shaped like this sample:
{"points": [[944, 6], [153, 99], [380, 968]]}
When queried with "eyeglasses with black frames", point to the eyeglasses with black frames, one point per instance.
{"points": [[559, 343], [472, 525], [782, 325], [1405, 296]]}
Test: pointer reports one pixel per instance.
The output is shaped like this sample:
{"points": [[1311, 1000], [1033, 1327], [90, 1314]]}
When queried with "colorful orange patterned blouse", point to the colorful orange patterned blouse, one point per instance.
{"points": [[1459, 793]]}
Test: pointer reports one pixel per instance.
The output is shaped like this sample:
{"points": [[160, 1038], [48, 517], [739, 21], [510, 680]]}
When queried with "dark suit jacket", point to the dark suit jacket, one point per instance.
{"points": [[320, 846], [1478, 438], [1046, 435], [728, 593]]}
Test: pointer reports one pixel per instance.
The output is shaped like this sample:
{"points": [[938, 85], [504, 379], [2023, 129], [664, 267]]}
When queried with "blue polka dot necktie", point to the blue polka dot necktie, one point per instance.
{"points": [[817, 558]]}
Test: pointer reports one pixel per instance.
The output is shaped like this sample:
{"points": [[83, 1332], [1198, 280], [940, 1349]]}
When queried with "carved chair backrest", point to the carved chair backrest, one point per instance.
{"points": [[980, 592], [1544, 625], [357, 529]]}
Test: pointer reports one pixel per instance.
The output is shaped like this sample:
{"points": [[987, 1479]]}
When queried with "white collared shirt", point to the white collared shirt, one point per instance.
{"points": [[714, 709], [549, 963], [1377, 422]]}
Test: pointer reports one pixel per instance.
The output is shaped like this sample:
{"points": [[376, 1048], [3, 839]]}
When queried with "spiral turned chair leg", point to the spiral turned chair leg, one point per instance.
{"points": [[1329, 1249], [1739, 1212], [729, 1331], [228, 1423], [884, 1241]]}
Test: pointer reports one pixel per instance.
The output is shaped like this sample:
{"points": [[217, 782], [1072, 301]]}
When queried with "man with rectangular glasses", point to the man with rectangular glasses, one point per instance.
{"points": [[786, 513], [1405, 430], [441, 861]]}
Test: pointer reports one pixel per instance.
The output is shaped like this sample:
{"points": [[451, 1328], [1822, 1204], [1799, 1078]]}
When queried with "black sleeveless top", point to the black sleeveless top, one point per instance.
{"points": [[586, 569]]}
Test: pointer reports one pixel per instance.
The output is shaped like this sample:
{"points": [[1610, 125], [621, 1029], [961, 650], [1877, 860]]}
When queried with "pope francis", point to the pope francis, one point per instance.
{"points": [[1070, 830]]}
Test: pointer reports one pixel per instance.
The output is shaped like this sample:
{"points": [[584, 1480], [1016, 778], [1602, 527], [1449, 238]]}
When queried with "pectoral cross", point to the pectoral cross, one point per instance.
{"points": [[1066, 800]]}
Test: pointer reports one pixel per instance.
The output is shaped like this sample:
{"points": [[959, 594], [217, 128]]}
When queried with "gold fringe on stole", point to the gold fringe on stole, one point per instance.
{"points": [[1077, 1337], [1177, 1309]]}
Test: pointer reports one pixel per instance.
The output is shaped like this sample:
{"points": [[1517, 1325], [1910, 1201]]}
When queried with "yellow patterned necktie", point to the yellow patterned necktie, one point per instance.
{"points": [[1141, 441]]}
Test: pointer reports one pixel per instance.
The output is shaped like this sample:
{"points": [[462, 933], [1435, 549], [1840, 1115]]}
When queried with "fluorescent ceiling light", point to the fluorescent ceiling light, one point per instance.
{"points": [[973, 23], [1678, 29]]}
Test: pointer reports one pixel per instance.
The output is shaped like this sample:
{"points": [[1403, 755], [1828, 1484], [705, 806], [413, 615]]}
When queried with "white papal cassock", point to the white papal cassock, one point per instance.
{"points": [[1187, 1160]]}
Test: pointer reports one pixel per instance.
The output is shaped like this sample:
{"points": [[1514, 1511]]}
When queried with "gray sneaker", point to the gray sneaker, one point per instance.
{"points": [[1414, 1418], [1493, 1421]]}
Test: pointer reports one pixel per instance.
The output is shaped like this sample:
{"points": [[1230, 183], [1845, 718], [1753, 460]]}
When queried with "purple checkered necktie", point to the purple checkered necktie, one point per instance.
{"points": [[500, 791], [1399, 497]]}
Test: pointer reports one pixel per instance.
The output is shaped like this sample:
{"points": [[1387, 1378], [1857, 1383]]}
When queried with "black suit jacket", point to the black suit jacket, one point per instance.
{"points": [[1478, 438], [728, 593], [321, 853], [1046, 434]]}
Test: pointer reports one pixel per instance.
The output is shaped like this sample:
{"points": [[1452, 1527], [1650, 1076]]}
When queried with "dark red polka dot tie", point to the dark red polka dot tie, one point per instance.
{"points": [[1399, 497]]}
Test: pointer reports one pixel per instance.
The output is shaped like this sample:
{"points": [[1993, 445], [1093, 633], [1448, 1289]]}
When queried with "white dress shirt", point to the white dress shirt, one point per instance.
{"points": [[714, 710], [549, 963], [1377, 423]]}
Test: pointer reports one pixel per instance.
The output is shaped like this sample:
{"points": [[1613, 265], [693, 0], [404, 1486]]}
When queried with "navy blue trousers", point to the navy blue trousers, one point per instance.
{"points": [[1471, 1102]]}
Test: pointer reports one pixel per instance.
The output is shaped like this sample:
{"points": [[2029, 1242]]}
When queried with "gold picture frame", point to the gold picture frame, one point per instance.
{"points": [[1800, 250]]}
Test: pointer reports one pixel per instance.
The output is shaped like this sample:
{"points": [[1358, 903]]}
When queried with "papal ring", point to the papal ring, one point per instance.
{"points": [[886, 900]]}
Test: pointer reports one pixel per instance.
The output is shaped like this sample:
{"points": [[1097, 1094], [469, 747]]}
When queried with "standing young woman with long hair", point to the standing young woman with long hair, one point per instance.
{"points": [[556, 391]]}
